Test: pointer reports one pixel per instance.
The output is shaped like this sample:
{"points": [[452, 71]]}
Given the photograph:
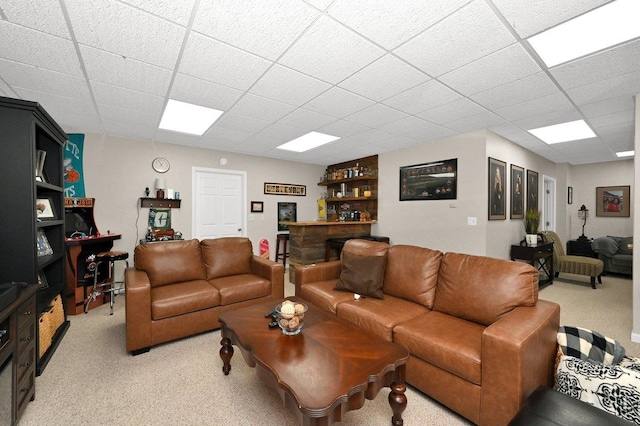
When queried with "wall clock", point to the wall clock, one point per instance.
{"points": [[161, 165]]}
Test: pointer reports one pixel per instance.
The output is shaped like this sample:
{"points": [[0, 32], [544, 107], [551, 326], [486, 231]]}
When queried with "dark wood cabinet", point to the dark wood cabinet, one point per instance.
{"points": [[17, 355], [540, 257], [580, 248], [29, 133]]}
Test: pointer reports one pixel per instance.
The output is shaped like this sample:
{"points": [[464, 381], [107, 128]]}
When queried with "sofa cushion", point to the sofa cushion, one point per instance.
{"points": [[171, 300], [606, 245], [483, 289], [412, 273], [626, 245], [379, 316], [362, 274], [170, 262], [622, 260], [449, 343], [226, 256], [238, 288], [321, 294]]}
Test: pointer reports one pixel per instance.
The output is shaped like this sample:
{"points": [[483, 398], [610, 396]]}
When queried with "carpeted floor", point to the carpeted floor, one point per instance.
{"points": [[92, 380]]}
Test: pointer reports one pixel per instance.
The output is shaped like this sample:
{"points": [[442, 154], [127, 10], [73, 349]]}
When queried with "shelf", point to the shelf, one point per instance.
{"points": [[355, 179], [337, 200], [160, 202]]}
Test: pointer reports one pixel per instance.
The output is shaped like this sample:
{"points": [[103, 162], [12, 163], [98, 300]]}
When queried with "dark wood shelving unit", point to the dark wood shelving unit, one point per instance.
{"points": [[164, 203]]}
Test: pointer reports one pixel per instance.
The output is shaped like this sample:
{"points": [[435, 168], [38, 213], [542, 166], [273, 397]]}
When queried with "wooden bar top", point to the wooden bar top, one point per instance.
{"points": [[328, 223]]}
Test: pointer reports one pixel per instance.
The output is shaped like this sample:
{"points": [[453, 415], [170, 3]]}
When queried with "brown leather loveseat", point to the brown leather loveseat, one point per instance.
{"points": [[480, 339], [179, 288]]}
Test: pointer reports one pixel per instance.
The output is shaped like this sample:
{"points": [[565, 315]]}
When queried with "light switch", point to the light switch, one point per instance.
{"points": [[472, 221]]}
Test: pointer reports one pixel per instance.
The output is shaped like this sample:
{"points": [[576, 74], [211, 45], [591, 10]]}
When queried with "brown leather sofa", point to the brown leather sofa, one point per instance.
{"points": [[480, 339], [179, 288]]}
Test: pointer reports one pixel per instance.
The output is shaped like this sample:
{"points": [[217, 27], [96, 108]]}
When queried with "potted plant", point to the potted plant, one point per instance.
{"points": [[531, 223]]}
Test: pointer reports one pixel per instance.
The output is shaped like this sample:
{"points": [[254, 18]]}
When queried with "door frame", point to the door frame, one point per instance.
{"points": [[549, 203], [243, 208]]}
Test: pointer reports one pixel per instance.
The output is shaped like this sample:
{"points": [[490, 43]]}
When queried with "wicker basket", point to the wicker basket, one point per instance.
{"points": [[45, 336], [57, 314]]}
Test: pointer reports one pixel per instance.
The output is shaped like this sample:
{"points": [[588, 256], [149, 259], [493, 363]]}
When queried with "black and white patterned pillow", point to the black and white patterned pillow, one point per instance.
{"points": [[589, 345]]}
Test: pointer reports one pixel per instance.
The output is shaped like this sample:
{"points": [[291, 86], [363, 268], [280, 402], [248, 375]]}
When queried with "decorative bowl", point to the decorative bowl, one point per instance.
{"points": [[290, 317]]}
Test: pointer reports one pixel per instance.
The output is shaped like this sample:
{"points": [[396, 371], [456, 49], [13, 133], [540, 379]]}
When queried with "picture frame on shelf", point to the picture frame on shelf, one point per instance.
{"points": [[42, 244], [41, 155], [497, 189], [42, 280], [257, 207], [517, 192], [44, 209], [287, 212], [613, 201]]}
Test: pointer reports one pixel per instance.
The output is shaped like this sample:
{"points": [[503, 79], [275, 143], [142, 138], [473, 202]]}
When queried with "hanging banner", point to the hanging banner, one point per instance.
{"points": [[73, 171]]}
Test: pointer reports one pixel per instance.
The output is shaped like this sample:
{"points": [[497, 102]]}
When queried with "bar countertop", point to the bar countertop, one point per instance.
{"points": [[328, 223]]}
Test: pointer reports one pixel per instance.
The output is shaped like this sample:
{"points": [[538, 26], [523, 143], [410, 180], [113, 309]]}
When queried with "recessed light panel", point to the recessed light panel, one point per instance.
{"points": [[625, 153], [309, 141], [564, 132], [598, 29], [188, 118]]}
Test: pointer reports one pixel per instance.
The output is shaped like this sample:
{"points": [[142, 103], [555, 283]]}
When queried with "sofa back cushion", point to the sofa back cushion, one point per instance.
{"points": [[362, 267], [226, 256], [170, 262], [483, 289], [412, 273]]}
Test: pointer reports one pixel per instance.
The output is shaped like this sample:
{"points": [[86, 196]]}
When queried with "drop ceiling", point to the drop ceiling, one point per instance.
{"points": [[382, 75]]}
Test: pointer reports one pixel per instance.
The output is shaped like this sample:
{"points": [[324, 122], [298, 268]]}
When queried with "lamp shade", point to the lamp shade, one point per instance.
{"points": [[161, 183]]}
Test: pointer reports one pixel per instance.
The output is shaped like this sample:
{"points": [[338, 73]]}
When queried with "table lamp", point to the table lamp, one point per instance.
{"points": [[583, 214], [161, 185]]}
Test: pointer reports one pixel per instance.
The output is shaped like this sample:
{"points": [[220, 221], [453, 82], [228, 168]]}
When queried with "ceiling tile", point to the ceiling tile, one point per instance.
{"points": [[262, 108], [628, 84], [175, 11], [157, 41], [266, 29], [430, 134], [288, 86], [539, 106], [531, 17], [376, 115], [320, 4], [392, 23], [406, 125], [535, 86], [57, 105], [475, 122], [502, 67], [423, 97], [343, 128], [126, 116], [282, 132], [222, 133], [467, 35], [338, 102], [384, 78], [452, 111], [41, 15], [132, 100], [117, 71], [608, 106], [214, 61], [204, 93], [330, 52], [242, 123], [305, 119], [548, 119], [620, 117]]}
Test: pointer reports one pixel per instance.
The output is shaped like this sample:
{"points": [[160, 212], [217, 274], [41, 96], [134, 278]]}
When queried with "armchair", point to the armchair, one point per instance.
{"points": [[579, 265]]}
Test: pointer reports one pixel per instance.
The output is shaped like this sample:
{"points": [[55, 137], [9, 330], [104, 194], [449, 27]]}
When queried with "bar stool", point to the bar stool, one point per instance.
{"points": [[282, 238], [108, 285]]}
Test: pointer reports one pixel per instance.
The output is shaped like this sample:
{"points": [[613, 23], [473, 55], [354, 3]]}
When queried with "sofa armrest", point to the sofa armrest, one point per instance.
{"points": [[272, 271], [320, 272], [138, 309], [518, 355]]}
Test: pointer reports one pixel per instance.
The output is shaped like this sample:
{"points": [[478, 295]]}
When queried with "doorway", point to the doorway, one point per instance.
{"points": [[219, 203], [549, 203]]}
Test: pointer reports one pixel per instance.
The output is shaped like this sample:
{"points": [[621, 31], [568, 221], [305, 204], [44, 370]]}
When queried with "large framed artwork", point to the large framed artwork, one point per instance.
{"points": [[532, 190], [517, 192], [287, 212], [613, 201], [429, 181], [497, 204]]}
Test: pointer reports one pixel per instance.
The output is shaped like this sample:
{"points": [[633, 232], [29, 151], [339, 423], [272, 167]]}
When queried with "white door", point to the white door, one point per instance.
{"points": [[549, 204], [219, 203]]}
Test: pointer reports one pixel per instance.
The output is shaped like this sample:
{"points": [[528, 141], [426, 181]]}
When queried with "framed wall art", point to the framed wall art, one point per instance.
{"points": [[287, 212], [42, 243], [570, 195], [497, 204], [613, 201], [532, 190], [429, 181], [257, 207], [284, 189], [517, 192]]}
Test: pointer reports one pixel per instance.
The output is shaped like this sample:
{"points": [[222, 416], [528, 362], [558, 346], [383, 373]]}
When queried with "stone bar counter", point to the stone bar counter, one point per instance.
{"points": [[307, 240]]}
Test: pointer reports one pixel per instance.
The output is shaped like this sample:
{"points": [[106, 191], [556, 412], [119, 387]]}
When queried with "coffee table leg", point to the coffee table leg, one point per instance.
{"points": [[226, 352], [398, 402]]}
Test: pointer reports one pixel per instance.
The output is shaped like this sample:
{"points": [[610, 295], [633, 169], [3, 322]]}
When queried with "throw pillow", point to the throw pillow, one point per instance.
{"points": [[362, 274], [626, 245], [589, 345]]}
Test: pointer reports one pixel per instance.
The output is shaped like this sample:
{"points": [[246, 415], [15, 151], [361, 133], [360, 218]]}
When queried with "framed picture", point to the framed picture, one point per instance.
{"points": [[284, 189], [287, 212], [257, 207], [497, 204], [42, 244], [613, 201], [42, 280], [517, 192], [44, 209], [532, 190], [570, 195], [429, 181]]}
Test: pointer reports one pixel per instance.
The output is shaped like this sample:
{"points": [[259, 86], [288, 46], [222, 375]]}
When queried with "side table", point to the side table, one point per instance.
{"points": [[580, 248], [540, 256]]}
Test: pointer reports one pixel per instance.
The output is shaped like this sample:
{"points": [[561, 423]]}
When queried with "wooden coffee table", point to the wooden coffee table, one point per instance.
{"points": [[323, 372]]}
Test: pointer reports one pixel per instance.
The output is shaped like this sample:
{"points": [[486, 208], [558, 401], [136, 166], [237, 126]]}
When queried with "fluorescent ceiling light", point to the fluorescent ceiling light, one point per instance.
{"points": [[625, 153], [563, 132], [309, 141], [598, 29], [188, 118]]}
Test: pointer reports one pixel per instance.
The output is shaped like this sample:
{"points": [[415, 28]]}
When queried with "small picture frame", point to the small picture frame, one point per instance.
{"points": [[42, 244], [517, 192], [532, 190], [42, 280], [44, 209], [497, 189], [257, 207]]}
